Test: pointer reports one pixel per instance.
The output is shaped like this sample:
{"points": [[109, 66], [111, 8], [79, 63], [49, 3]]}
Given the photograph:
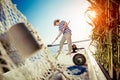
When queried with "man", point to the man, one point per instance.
{"points": [[65, 30]]}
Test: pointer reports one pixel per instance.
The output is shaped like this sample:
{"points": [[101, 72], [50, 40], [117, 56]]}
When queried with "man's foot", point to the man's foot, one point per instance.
{"points": [[56, 57], [69, 53]]}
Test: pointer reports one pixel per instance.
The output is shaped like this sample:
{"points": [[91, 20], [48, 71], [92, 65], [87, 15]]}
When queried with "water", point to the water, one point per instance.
{"points": [[53, 49]]}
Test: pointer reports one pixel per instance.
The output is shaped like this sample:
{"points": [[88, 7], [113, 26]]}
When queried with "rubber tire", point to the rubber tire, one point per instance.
{"points": [[80, 62]]}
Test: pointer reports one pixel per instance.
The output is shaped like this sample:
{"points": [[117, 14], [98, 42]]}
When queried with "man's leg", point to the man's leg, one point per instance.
{"points": [[63, 39], [61, 45], [69, 41]]}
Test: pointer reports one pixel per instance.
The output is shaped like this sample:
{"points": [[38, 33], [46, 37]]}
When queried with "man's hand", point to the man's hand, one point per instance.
{"points": [[57, 37], [54, 40]]}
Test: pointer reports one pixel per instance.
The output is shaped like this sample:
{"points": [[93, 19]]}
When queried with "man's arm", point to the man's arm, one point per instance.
{"points": [[57, 36], [65, 25]]}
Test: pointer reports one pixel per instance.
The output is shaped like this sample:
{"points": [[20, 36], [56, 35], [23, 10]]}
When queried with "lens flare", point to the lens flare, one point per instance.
{"points": [[92, 14]]}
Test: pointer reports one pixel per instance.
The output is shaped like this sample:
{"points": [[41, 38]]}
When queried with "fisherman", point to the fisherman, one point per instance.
{"points": [[66, 31]]}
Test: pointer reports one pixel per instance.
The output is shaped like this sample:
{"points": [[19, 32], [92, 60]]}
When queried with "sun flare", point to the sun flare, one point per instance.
{"points": [[92, 14]]}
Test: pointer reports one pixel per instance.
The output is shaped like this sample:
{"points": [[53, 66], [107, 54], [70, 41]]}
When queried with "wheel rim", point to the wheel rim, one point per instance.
{"points": [[79, 59]]}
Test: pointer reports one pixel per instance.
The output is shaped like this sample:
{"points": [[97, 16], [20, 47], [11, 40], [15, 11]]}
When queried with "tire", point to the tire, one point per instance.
{"points": [[79, 59]]}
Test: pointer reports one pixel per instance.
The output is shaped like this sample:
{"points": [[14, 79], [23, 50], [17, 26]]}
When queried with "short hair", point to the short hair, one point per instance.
{"points": [[55, 21]]}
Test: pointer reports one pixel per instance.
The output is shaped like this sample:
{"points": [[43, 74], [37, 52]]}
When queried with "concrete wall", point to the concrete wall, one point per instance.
{"points": [[22, 39], [6, 63]]}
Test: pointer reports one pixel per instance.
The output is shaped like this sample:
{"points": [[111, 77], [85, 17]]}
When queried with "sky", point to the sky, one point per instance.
{"points": [[42, 13]]}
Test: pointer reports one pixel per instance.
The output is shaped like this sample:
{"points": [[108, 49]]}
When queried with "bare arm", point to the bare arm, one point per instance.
{"points": [[57, 36], [65, 25]]}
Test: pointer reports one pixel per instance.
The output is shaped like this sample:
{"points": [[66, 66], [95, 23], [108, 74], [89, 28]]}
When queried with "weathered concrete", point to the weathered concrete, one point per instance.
{"points": [[22, 39]]}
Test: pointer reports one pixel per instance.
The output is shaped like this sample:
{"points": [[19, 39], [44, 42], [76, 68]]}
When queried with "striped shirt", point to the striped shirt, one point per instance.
{"points": [[61, 26]]}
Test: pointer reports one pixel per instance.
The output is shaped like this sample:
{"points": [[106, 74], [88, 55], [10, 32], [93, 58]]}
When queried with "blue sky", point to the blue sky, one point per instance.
{"points": [[41, 14]]}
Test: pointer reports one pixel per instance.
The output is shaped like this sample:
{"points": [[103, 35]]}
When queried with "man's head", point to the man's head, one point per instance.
{"points": [[56, 22]]}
